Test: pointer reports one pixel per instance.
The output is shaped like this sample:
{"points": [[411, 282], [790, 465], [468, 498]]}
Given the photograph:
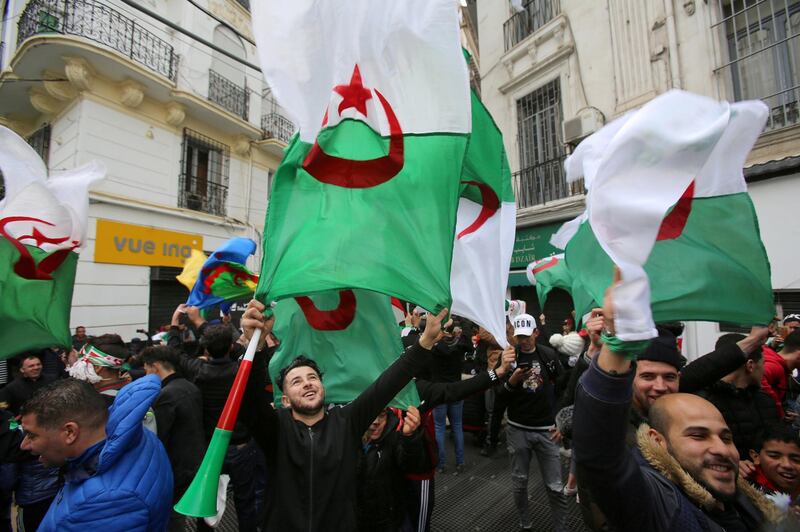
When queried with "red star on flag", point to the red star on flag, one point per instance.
{"points": [[354, 95]]}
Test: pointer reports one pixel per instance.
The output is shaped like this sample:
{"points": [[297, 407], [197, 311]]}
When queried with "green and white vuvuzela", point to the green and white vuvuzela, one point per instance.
{"points": [[200, 499]]}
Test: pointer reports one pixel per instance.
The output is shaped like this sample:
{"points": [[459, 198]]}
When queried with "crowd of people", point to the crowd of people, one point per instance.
{"points": [[112, 434]]}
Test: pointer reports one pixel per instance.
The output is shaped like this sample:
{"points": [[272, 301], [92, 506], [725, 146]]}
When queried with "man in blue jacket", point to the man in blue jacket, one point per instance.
{"points": [[116, 474]]}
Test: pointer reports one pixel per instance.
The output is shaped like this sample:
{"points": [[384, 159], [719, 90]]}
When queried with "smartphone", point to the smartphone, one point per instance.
{"points": [[524, 365]]}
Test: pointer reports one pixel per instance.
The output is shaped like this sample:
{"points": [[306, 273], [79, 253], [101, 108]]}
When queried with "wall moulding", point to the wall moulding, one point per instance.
{"points": [[79, 72], [131, 93], [57, 87]]}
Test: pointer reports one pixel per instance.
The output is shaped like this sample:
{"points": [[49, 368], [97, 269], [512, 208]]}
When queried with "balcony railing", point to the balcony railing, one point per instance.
{"points": [[202, 195], [228, 95], [537, 185], [534, 15], [98, 22], [277, 126]]}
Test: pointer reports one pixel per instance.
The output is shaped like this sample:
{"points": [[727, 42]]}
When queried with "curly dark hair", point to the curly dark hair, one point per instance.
{"points": [[300, 361]]}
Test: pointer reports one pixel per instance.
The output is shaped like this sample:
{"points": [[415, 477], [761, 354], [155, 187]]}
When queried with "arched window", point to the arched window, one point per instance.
{"points": [[227, 83]]}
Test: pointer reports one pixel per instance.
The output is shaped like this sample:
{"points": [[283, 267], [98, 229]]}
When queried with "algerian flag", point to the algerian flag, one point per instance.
{"points": [[42, 227], [485, 228], [367, 193], [552, 272], [667, 201], [351, 334]]}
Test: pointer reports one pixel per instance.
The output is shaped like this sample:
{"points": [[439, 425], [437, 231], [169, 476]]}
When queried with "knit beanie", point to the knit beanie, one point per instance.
{"points": [[571, 344], [664, 348]]}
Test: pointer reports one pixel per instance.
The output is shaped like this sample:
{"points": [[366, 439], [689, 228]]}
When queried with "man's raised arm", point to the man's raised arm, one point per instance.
{"points": [[605, 465], [377, 395]]}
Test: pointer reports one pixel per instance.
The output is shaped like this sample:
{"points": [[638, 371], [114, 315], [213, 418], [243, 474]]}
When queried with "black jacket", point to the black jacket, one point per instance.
{"points": [[630, 492], [381, 476], [747, 411], [214, 380], [532, 403], [179, 420], [313, 469], [20, 390]]}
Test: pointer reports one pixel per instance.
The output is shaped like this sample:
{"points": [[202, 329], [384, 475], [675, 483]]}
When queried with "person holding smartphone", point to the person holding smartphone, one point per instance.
{"points": [[531, 395]]}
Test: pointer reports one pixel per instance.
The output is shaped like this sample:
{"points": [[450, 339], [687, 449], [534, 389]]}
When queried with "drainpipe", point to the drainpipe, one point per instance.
{"points": [[672, 37]]}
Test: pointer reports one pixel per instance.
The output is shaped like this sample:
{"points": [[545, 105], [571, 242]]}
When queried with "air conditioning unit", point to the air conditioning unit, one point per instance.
{"points": [[587, 122]]}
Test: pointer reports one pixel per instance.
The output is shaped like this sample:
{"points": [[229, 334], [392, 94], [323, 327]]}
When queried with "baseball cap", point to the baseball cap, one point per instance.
{"points": [[524, 325], [790, 318]]}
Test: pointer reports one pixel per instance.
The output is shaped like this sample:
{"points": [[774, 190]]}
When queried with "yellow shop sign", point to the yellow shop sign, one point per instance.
{"points": [[118, 243]]}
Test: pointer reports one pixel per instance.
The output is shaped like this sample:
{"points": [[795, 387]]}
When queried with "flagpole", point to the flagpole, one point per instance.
{"points": [[200, 499]]}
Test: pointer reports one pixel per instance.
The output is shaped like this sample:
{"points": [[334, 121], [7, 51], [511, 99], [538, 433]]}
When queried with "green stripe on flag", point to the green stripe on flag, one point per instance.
{"points": [[34, 313]]}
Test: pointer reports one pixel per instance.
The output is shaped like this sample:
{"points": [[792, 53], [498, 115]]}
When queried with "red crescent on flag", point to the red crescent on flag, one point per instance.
{"points": [[349, 173], [26, 266], [673, 224], [552, 262], [489, 205], [337, 319]]}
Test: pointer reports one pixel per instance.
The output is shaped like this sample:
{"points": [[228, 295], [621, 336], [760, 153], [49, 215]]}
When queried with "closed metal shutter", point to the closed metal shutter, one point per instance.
{"points": [[165, 294]]}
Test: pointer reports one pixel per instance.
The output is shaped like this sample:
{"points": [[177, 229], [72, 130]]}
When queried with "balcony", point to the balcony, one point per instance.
{"points": [[277, 126], [202, 195], [534, 15], [98, 22], [542, 183], [228, 95], [273, 119]]}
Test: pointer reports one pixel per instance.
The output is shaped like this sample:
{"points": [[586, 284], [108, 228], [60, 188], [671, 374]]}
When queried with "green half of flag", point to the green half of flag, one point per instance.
{"points": [[362, 341], [716, 269], [395, 237], [34, 313]]}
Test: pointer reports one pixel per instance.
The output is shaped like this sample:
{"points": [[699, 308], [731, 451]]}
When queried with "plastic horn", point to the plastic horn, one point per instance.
{"points": [[200, 500]]}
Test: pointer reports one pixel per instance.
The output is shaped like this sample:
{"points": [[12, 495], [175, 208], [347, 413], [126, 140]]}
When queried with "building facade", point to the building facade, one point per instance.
{"points": [[554, 71], [182, 120]]}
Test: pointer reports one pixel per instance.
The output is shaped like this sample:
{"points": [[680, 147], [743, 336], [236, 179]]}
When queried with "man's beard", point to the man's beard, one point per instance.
{"points": [[307, 410], [697, 477]]}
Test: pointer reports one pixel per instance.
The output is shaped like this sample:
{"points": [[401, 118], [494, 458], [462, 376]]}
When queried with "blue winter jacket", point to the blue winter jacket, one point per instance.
{"points": [[123, 482]]}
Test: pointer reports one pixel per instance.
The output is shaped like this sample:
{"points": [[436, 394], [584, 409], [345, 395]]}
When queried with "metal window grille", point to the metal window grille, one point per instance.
{"points": [[98, 22], [273, 121], [40, 142], [541, 176], [228, 95], [534, 15], [760, 40], [203, 183]]}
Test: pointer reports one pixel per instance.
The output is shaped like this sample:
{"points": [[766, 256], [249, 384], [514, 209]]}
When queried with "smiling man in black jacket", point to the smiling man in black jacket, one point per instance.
{"points": [[312, 452]]}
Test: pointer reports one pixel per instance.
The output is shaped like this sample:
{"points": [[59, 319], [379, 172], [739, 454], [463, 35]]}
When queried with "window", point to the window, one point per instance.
{"points": [[203, 184], [760, 39], [541, 152], [533, 15], [227, 83], [40, 142]]}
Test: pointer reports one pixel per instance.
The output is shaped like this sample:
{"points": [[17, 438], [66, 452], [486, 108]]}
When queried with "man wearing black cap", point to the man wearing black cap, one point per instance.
{"points": [[660, 369]]}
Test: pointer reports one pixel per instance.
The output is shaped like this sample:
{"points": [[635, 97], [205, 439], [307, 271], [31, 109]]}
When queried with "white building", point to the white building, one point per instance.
{"points": [[189, 135], [554, 71]]}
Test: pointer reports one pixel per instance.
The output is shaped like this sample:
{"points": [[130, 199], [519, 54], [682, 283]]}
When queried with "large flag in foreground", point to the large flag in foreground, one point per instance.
{"points": [[367, 193], [42, 227], [349, 333], [667, 201], [485, 228], [223, 277]]}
